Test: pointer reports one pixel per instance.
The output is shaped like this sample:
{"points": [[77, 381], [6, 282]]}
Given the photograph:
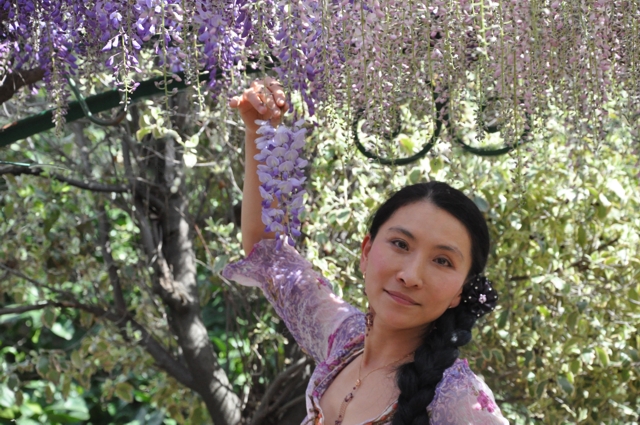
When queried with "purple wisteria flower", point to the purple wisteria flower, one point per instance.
{"points": [[524, 58], [282, 178]]}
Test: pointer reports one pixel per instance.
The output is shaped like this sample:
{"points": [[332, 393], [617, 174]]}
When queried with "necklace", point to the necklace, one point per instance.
{"points": [[358, 383]]}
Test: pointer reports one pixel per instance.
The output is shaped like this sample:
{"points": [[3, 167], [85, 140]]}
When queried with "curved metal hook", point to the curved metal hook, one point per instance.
{"points": [[83, 104], [400, 161], [524, 137]]}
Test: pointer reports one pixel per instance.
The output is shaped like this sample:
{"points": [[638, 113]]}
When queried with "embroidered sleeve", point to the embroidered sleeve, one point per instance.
{"points": [[300, 295], [463, 399]]}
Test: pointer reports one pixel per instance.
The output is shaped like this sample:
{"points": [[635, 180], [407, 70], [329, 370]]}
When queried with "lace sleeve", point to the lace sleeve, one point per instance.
{"points": [[463, 399], [300, 295]]}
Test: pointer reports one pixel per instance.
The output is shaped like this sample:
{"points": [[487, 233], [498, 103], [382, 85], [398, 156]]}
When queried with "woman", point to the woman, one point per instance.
{"points": [[422, 262]]}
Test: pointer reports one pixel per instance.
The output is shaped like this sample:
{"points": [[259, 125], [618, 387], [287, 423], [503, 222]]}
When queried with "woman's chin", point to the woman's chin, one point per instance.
{"points": [[398, 321]]}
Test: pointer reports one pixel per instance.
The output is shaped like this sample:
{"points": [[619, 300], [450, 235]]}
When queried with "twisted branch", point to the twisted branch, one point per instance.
{"points": [[17, 170], [11, 83]]}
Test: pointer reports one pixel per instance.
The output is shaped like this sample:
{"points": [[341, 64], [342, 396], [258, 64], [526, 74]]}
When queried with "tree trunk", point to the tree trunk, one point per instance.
{"points": [[210, 380]]}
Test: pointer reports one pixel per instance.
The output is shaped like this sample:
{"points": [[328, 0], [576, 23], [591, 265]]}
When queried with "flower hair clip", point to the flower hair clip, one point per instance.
{"points": [[479, 297]]}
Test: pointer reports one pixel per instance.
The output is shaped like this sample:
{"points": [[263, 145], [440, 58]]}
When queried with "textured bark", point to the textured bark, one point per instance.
{"points": [[163, 218], [284, 401], [186, 320], [11, 83]]}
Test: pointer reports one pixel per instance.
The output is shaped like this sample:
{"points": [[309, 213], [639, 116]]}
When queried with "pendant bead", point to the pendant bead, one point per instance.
{"points": [[349, 397]]}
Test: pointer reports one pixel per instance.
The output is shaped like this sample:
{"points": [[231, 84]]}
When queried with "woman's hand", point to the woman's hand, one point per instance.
{"points": [[264, 100]]}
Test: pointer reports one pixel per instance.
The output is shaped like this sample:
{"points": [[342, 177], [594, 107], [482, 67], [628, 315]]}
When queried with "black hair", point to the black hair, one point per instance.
{"points": [[417, 380]]}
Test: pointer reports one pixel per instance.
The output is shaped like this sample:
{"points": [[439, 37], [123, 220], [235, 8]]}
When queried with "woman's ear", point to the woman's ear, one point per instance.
{"points": [[364, 252], [456, 300]]}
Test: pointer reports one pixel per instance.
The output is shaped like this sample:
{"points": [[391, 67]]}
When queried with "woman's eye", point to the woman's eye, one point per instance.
{"points": [[400, 244], [443, 262]]}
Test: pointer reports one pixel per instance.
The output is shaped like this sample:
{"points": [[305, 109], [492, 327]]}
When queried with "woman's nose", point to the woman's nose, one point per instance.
{"points": [[410, 274]]}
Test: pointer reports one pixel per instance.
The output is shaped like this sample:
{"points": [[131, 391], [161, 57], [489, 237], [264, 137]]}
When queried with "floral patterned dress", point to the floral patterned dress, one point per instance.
{"points": [[332, 332]]}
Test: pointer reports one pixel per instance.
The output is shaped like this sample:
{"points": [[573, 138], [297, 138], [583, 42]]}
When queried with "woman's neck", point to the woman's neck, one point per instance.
{"points": [[384, 346]]}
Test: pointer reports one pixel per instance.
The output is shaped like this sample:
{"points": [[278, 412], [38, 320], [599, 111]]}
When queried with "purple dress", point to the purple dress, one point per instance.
{"points": [[332, 332]]}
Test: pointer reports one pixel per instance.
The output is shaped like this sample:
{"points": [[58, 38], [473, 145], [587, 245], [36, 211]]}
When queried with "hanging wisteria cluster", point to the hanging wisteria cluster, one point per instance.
{"points": [[526, 57], [282, 178]]}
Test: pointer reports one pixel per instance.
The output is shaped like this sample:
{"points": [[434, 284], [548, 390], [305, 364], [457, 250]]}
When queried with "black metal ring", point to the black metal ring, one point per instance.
{"points": [[400, 161], [524, 137]]}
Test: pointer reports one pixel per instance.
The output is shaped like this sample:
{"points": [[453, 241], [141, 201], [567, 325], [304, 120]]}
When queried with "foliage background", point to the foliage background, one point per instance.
{"points": [[561, 348]]}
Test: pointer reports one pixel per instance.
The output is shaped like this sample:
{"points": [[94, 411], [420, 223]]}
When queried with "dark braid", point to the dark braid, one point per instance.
{"points": [[418, 380]]}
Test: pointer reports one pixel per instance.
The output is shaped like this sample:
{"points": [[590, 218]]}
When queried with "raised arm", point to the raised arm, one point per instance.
{"points": [[264, 100]]}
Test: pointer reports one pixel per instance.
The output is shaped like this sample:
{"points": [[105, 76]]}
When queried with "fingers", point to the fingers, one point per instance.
{"points": [[276, 90], [234, 102], [265, 96], [270, 93], [256, 101]]}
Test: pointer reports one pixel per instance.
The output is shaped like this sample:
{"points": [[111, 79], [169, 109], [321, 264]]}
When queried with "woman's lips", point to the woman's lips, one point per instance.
{"points": [[401, 299]]}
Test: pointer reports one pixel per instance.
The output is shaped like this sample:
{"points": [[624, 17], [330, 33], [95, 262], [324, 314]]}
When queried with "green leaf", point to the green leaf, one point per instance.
{"points": [[342, 216], [7, 396], [407, 144], [582, 305], [220, 262], [481, 203], [572, 320], [124, 391], [633, 295], [8, 209], [497, 354], [503, 318], [51, 219], [603, 356], [63, 331], [575, 366], [602, 211], [587, 356], [617, 188], [565, 385], [48, 317], [582, 236], [142, 132], [603, 200], [558, 283], [86, 319], [540, 389], [415, 175], [625, 375], [74, 409], [544, 311]]}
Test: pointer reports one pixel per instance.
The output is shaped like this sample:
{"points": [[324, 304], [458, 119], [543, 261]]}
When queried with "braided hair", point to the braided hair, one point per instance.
{"points": [[417, 380]]}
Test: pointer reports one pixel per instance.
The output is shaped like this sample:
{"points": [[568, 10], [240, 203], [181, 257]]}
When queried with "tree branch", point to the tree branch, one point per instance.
{"points": [[23, 309], [163, 359], [17, 170], [163, 283], [35, 282], [11, 83], [103, 229], [269, 403]]}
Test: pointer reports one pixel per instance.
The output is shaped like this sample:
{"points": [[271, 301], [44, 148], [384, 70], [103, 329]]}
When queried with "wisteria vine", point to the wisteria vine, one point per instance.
{"points": [[282, 178], [531, 56]]}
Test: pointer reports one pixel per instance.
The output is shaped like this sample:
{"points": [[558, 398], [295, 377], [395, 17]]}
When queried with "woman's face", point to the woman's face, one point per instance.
{"points": [[416, 266]]}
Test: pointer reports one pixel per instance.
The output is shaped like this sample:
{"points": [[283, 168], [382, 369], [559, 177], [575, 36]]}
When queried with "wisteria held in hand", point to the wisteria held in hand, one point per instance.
{"points": [[529, 57], [282, 177]]}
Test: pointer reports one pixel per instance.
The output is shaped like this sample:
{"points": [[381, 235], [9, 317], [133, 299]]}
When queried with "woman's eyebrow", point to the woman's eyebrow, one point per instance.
{"points": [[452, 249], [403, 231]]}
